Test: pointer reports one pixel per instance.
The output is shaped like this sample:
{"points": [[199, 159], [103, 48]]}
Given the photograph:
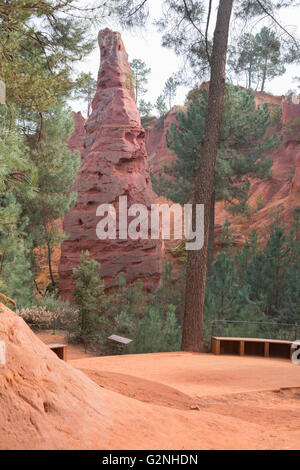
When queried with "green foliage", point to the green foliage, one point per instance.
{"points": [[145, 108], [293, 127], [258, 281], [243, 145], [16, 278], [184, 29], [156, 334], [36, 174], [169, 92], [139, 78], [161, 106], [90, 299], [260, 55], [259, 202], [86, 90], [39, 44], [16, 180], [151, 321], [56, 168], [276, 117], [171, 291], [292, 174]]}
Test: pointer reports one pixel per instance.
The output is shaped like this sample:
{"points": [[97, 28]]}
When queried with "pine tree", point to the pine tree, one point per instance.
{"points": [[145, 108], [275, 260], [261, 55], [258, 281], [90, 299], [39, 44], [17, 178], [264, 273], [57, 167], [182, 23], [243, 60], [86, 90], [140, 74], [243, 144], [161, 106], [169, 92]]}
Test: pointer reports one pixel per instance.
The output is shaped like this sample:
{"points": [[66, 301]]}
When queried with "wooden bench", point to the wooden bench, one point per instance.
{"points": [[252, 347], [60, 350]]}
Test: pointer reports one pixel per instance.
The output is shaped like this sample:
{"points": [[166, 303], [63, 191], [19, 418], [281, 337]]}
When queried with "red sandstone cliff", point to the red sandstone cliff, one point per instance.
{"points": [[157, 149], [114, 164], [77, 139], [280, 192]]}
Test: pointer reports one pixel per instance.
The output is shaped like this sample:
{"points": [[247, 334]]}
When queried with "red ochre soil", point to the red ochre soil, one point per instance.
{"points": [[151, 401]]}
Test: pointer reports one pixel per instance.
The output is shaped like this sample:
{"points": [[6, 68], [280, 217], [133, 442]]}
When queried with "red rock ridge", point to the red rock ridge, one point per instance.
{"points": [[280, 192], [156, 144], [114, 164], [77, 139]]}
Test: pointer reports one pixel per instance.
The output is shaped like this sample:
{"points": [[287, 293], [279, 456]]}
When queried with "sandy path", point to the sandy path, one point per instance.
{"points": [[199, 375], [195, 401], [247, 402]]}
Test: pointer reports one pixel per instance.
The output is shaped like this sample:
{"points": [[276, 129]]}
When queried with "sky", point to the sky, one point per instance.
{"points": [[146, 45]]}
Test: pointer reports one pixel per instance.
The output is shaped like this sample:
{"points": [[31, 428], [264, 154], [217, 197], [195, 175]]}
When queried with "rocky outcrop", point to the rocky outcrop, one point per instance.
{"points": [[114, 164], [157, 149], [281, 191], [77, 139]]}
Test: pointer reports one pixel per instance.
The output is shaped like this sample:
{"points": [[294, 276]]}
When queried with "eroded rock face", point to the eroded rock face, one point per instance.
{"points": [[77, 139], [280, 192], [157, 149], [114, 164]]}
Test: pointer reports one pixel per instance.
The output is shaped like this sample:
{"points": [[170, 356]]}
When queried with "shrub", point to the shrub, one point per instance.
{"points": [[38, 317], [91, 301], [150, 320], [50, 313], [155, 334]]}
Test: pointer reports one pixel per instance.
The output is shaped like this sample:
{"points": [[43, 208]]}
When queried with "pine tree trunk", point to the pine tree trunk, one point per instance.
{"points": [[42, 127], [192, 335], [263, 84], [264, 78], [50, 264], [211, 239], [250, 77]]}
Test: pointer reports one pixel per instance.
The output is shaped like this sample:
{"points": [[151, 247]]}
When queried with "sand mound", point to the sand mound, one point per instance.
{"points": [[44, 402], [143, 390]]}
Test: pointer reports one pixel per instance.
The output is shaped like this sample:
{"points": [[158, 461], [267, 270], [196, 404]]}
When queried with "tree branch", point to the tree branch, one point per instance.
{"points": [[139, 7], [188, 13], [206, 31], [277, 22]]}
